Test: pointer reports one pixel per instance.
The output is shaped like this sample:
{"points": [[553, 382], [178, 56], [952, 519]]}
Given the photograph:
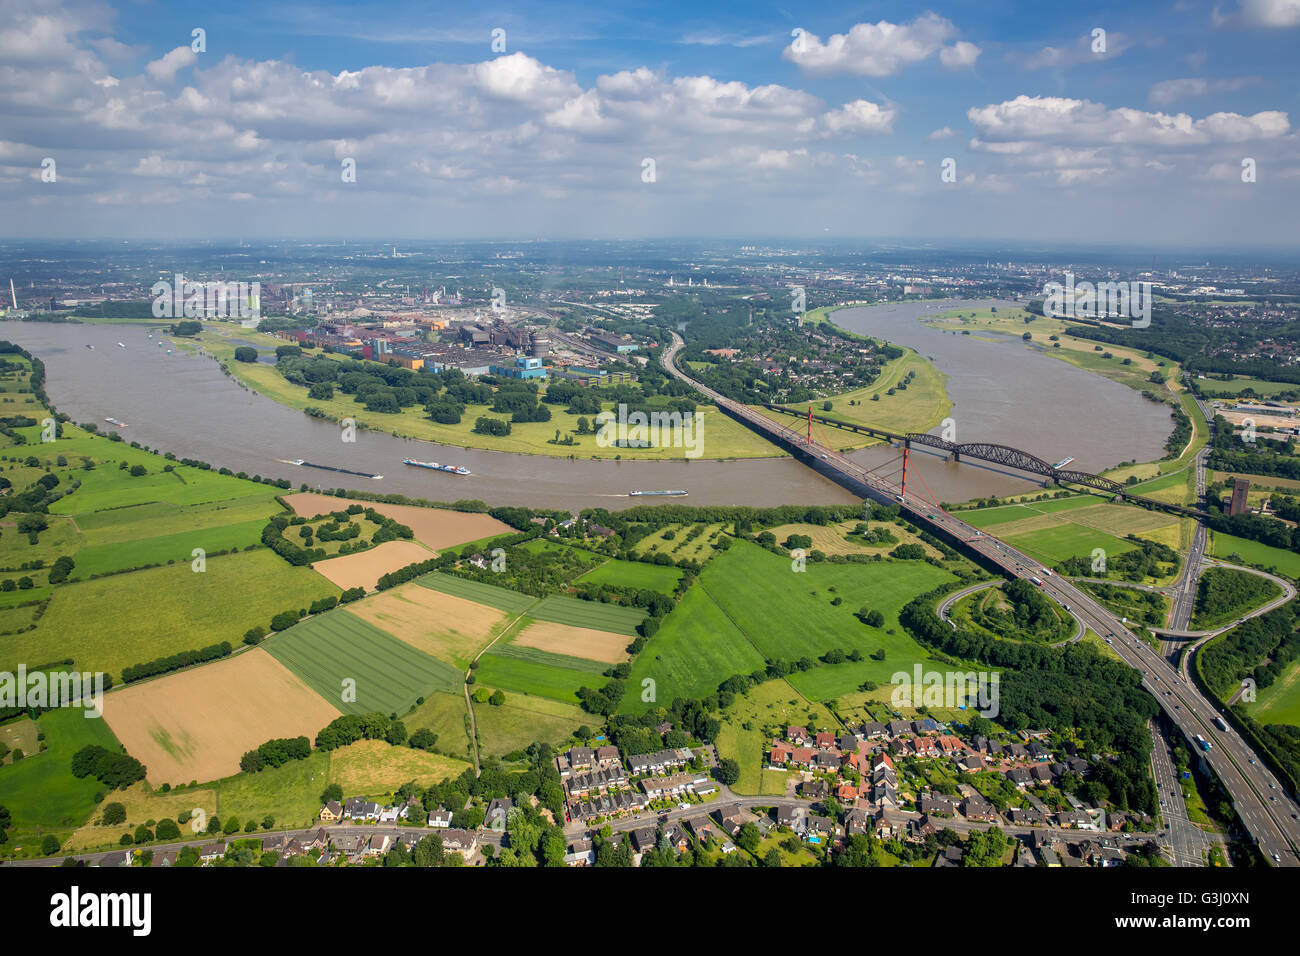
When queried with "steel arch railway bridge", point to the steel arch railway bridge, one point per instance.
{"points": [[1003, 455]]}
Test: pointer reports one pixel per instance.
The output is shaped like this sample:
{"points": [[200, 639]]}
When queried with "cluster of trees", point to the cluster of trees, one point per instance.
{"points": [[350, 728], [275, 753], [273, 537], [1244, 651], [172, 662], [1031, 614], [116, 771], [1223, 593], [1146, 559], [484, 425]]}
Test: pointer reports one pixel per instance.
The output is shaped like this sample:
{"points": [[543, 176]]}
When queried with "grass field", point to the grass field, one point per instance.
{"points": [[337, 647], [108, 486], [444, 713], [695, 650], [750, 606], [163, 610], [1276, 560], [171, 548], [539, 678], [635, 574], [372, 768], [1279, 703], [521, 720], [40, 791]]}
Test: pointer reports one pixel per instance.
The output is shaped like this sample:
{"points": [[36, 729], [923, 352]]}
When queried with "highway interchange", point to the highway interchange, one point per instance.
{"points": [[1266, 810]]}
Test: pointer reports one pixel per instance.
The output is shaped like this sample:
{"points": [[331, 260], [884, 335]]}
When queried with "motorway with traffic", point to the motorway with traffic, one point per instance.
{"points": [[1267, 812]]}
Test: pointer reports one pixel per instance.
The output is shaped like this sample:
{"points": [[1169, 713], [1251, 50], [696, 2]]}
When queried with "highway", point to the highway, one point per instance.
{"points": [[1267, 812]]}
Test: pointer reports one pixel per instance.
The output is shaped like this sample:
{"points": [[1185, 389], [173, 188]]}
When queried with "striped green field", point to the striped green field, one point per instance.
{"points": [[503, 599], [532, 678], [593, 614], [551, 659], [329, 649]]}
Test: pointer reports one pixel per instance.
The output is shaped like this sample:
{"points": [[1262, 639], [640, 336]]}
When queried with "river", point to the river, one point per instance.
{"points": [[183, 403]]}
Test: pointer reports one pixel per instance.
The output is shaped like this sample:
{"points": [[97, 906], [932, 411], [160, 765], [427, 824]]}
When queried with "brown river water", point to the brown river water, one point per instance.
{"points": [[184, 404]]}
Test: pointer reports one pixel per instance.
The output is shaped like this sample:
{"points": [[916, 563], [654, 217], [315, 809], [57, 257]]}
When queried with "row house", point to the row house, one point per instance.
{"points": [[923, 747], [938, 804], [975, 807], [357, 809], [1026, 817], [673, 785], [659, 761], [581, 784], [608, 804]]}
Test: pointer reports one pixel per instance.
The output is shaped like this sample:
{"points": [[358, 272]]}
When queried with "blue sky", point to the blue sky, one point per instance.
{"points": [[754, 120]]}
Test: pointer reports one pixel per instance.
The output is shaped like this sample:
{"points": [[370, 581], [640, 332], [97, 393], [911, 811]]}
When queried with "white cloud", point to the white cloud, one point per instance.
{"points": [[1171, 91], [164, 69], [860, 116], [1038, 118], [1270, 13], [878, 49], [959, 56], [943, 132]]}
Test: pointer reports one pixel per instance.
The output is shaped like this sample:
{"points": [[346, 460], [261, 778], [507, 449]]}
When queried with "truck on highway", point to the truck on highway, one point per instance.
{"points": [[1038, 581], [1221, 724], [1202, 743], [1047, 572]]}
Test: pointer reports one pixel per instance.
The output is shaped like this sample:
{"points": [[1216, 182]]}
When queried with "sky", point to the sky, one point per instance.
{"points": [[1062, 122]]}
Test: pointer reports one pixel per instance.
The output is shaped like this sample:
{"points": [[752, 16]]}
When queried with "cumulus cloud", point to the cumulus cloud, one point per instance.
{"points": [[959, 56], [165, 68], [860, 116], [1037, 118], [880, 49]]}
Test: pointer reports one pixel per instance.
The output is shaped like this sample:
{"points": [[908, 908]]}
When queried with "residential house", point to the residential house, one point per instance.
{"points": [[975, 807], [332, 812], [440, 818]]}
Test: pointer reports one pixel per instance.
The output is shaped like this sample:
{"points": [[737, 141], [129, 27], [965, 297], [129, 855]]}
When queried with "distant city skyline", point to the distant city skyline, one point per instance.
{"points": [[1094, 124]]}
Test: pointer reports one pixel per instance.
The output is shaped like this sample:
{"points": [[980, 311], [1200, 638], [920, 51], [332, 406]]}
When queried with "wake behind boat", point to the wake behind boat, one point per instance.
{"points": [[434, 466], [343, 471]]}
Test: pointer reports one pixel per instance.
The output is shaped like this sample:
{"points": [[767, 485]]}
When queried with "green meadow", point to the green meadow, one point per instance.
{"points": [[111, 622], [750, 606], [40, 791], [635, 574]]}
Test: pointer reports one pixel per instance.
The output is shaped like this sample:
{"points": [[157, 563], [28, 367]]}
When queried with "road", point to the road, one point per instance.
{"points": [[1185, 843], [955, 596], [1268, 813]]}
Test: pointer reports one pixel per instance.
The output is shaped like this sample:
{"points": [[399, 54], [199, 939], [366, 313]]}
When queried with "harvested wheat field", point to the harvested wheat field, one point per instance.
{"points": [[442, 625], [195, 725], [367, 567], [435, 527], [575, 641]]}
